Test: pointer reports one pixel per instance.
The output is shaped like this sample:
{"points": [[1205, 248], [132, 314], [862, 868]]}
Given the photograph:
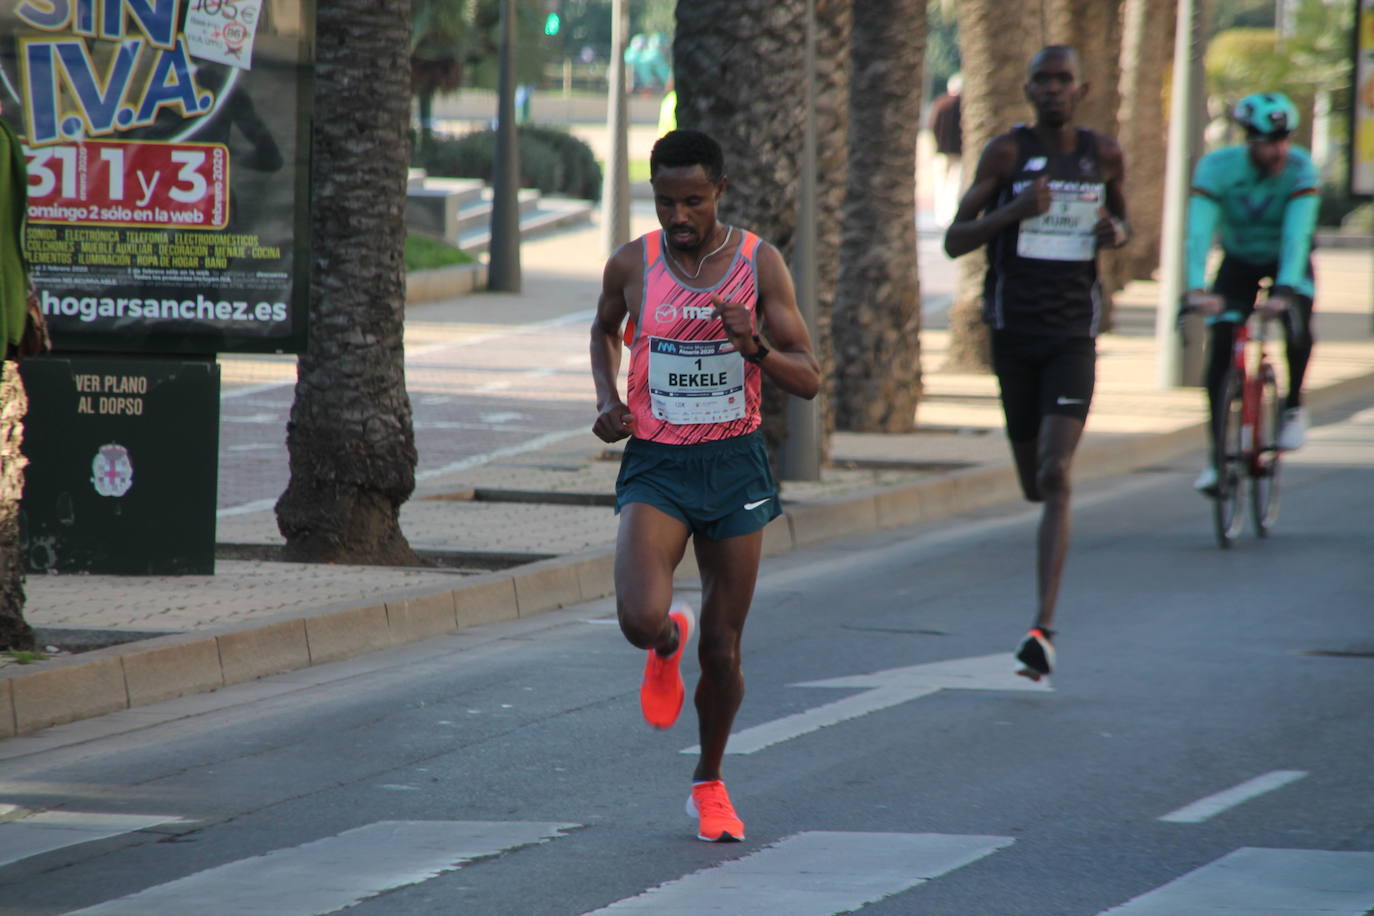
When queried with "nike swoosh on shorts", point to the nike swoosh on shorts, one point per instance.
{"points": [[1063, 401], [755, 505]]}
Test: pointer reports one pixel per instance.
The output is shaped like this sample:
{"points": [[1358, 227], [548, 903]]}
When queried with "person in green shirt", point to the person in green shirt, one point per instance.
{"points": [[1261, 197], [14, 278]]}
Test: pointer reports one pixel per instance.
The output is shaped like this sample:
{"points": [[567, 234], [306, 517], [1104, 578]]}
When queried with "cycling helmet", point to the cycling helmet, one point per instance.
{"points": [[1267, 114]]}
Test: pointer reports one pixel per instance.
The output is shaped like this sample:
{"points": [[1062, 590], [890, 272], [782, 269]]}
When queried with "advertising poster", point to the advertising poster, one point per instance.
{"points": [[1362, 117], [168, 151]]}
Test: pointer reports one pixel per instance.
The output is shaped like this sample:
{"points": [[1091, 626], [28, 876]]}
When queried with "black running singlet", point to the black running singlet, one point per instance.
{"points": [[1042, 272]]}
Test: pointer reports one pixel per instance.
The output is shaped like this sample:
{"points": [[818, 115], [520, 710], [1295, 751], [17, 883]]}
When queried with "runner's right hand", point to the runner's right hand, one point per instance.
{"points": [[1034, 199], [614, 423]]}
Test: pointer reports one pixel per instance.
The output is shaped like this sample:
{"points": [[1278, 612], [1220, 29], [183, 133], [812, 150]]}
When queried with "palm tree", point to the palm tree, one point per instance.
{"points": [[14, 632], [834, 35], [996, 41], [442, 33], [738, 66], [350, 438], [1147, 38], [877, 316]]}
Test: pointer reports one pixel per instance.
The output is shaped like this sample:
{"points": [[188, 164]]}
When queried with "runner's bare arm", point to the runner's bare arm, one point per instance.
{"points": [[789, 362], [968, 231], [1112, 230], [613, 420]]}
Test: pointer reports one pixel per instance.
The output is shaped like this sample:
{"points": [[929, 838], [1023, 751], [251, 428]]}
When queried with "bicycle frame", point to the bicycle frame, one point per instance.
{"points": [[1252, 370], [1246, 445]]}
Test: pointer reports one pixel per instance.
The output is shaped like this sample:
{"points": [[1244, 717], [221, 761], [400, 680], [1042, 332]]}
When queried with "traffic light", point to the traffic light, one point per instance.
{"points": [[552, 24]]}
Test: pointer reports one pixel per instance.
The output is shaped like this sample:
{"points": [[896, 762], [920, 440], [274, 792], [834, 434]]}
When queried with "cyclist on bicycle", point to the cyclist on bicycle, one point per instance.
{"points": [[1262, 195]]}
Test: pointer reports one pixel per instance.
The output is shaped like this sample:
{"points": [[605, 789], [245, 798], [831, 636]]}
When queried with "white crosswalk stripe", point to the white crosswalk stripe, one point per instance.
{"points": [[46, 831], [814, 874], [332, 873], [1265, 882]]}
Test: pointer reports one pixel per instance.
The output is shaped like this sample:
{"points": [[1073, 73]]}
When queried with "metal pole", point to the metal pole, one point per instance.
{"points": [[801, 452], [615, 187], [503, 265], [1183, 114]]}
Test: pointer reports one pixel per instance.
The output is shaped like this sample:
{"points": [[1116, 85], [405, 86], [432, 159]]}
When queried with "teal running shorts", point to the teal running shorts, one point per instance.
{"points": [[719, 489]]}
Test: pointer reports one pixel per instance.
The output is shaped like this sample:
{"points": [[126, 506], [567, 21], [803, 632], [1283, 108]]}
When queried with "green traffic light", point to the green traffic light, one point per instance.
{"points": [[551, 24]]}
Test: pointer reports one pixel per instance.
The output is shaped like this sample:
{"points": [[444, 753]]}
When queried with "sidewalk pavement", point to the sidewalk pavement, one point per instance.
{"points": [[255, 617]]}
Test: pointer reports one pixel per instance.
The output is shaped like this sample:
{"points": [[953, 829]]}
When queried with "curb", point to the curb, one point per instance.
{"points": [[444, 283], [148, 671]]}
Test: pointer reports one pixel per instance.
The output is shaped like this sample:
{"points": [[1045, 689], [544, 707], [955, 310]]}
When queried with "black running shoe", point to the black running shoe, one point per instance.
{"points": [[1036, 654]]}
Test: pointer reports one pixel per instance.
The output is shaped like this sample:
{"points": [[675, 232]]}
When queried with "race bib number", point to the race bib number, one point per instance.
{"points": [[695, 381], [1065, 231]]}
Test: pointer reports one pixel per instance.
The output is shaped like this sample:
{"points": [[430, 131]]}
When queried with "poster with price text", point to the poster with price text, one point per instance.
{"points": [[167, 144]]}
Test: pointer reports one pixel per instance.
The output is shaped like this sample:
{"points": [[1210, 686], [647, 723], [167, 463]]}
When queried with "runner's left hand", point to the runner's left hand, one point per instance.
{"points": [[1109, 231], [739, 323]]}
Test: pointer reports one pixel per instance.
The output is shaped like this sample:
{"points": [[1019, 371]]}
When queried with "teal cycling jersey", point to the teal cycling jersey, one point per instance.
{"points": [[1263, 219]]}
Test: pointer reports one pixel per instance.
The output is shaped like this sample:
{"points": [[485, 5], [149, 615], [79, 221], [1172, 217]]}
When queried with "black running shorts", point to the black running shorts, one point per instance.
{"points": [[1041, 375]]}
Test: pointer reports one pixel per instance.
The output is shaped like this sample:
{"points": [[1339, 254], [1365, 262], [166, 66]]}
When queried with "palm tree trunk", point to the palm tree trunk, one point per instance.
{"points": [[738, 66], [14, 632], [996, 41], [877, 315], [1146, 42], [350, 438], [835, 27]]}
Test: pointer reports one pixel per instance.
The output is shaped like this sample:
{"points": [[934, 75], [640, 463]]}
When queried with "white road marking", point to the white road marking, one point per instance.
{"points": [[814, 874], [883, 689], [49, 830], [1265, 881], [332, 873], [1212, 805]]}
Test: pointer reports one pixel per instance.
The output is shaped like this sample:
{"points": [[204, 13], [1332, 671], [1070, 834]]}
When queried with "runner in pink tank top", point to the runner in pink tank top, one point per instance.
{"points": [[710, 311], [687, 383]]}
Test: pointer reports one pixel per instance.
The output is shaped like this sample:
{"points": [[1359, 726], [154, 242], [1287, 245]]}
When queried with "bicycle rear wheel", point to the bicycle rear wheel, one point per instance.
{"points": [[1226, 512], [1264, 482]]}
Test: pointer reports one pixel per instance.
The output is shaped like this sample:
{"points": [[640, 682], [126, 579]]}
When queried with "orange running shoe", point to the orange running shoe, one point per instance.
{"points": [[661, 692], [717, 821]]}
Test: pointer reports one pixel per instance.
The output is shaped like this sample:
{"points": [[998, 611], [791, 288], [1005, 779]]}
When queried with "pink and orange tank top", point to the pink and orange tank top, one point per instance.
{"points": [[687, 384]]}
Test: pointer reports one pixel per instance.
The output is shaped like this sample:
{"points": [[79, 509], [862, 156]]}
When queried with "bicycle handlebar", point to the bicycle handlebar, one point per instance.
{"points": [[1233, 316]]}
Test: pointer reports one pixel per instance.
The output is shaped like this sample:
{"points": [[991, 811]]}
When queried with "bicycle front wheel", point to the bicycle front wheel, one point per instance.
{"points": [[1230, 458], [1264, 472]]}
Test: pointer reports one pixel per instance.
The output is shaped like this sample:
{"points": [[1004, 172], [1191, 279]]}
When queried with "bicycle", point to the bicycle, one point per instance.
{"points": [[1245, 439]]}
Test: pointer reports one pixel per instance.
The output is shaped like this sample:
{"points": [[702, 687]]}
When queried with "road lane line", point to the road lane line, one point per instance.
{"points": [[1212, 805], [48, 830], [332, 873], [814, 874], [882, 690], [1270, 881]]}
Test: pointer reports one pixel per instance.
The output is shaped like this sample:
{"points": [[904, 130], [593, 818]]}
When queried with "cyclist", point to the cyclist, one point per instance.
{"points": [[1262, 195]]}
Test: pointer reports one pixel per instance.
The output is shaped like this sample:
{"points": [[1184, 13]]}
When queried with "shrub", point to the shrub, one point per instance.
{"points": [[552, 160]]}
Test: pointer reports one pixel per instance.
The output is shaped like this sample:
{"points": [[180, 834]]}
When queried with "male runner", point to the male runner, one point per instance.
{"points": [[1044, 199], [711, 309], [1263, 195]]}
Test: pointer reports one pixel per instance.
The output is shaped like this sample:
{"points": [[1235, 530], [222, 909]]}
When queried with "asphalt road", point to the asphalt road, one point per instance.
{"points": [[1207, 738]]}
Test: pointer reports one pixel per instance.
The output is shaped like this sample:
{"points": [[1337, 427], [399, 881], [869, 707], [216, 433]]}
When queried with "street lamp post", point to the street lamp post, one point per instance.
{"points": [[1184, 110], [615, 189], [503, 265]]}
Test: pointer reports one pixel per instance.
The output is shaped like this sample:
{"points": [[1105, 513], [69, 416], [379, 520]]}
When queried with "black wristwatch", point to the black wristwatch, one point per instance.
{"points": [[758, 355]]}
